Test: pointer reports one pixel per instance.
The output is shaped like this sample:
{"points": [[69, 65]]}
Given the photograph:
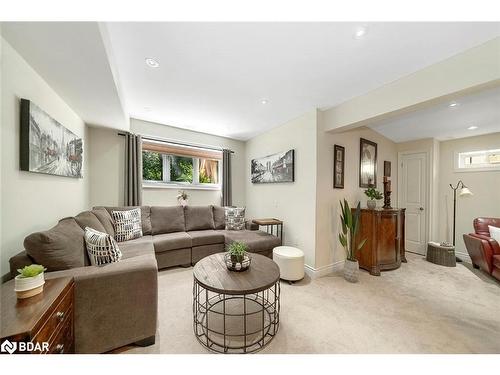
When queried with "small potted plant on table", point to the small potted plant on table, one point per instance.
{"points": [[373, 196], [30, 281], [182, 197], [236, 257], [350, 226]]}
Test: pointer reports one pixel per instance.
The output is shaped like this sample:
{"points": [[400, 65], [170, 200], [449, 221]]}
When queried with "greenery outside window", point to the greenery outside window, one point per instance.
{"points": [[169, 165]]}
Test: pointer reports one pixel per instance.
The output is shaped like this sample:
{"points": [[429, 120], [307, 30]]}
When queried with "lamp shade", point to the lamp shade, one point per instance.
{"points": [[465, 192]]}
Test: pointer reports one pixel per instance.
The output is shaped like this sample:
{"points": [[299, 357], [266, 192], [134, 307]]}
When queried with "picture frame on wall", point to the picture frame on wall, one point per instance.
{"points": [[387, 168], [338, 166], [276, 168], [367, 163]]}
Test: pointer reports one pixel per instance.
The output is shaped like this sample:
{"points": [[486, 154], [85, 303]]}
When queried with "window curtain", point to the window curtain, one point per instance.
{"points": [[227, 199], [133, 170]]}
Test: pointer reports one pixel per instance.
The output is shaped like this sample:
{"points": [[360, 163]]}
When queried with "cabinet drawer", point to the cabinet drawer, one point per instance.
{"points": [[63, 340], [56, 318]]}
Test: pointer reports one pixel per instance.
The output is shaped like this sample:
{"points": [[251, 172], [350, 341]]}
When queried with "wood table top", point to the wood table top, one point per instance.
{"points": [[269, 221], [24, 315], [211, 272]]}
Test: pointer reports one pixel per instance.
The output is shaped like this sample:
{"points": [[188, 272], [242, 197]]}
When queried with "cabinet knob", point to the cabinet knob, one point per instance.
{"points": [[60, 315], [421, 208], [60, 348]]}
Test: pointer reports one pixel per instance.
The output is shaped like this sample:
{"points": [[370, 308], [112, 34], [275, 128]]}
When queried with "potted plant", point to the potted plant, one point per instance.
{"points": [[236, 257], [373, 196], [182, 197], [30, 281], [350, 226]]}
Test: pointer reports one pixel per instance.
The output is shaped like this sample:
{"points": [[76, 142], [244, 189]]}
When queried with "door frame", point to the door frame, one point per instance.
{"points": [[428, 189]]}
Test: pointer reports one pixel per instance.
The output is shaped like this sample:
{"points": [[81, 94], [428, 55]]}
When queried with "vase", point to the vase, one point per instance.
{"points": [[183, 202], [371, 204], [26, 287], [351, 270]]}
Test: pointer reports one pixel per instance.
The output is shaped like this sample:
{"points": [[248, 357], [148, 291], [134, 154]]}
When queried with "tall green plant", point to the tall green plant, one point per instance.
{"points": [[350, 226]]}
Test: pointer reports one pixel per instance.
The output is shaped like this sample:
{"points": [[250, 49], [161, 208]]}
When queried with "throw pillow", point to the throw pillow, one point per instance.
{"points": [[127, 224], [494, 233], [235, 218], [102, 248]]}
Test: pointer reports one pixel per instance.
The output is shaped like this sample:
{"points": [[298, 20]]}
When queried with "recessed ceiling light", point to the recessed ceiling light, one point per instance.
{"points": [[360, 32], [453, 104], [152, 63], [264, 101], [473, 127]]}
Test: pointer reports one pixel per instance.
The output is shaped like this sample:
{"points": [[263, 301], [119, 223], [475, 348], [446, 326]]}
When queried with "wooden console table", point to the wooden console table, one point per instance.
{"points": [[271, 225], [44, 318], [384, 248]]}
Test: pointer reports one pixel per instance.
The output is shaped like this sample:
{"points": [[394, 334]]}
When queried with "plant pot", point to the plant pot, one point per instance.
{"points": [[371, 204], [351, 270], [183, 202], [26, 287]]}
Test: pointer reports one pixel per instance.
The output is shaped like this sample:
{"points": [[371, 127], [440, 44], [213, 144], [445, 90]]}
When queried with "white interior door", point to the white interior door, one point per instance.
{"points": [[413, 197]]}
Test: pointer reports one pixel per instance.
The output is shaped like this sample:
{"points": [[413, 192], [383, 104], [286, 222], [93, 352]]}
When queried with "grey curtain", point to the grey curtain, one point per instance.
{"points": [[227, 193], [133, 170]]}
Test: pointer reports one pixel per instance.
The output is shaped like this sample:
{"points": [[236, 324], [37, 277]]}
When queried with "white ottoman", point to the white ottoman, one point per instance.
{"points": [[290, 260]]}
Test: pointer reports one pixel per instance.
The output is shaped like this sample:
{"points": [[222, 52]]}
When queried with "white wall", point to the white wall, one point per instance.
{"points": [[32, 201], [484, 185], [329, 251], [295, 202]]}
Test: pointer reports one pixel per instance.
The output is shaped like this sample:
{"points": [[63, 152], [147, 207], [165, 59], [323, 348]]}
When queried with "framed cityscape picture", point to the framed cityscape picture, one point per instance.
{"points": [[367, 163], [338, 166], [274, 168], [47, 146]]}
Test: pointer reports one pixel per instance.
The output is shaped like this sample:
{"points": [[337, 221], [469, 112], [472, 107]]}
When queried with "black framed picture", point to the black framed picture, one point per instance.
{"points": [[278, 167], [367, 163], [387, 168], [338, 166]]}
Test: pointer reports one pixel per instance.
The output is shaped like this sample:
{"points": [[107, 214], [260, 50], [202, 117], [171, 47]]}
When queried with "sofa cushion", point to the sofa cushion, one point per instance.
{"points": [[58, 248], [219, 217], [106, 220], [199, 217], [145, 215], [101, 247], [137, 247], [167, 219], [171, 241], [206, 237], [88, 219], [256, 240]]}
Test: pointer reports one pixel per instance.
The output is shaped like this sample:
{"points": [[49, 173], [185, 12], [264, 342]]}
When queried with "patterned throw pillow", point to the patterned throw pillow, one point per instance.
{"points": [[102, 247], [127, 224], [235, 218]]}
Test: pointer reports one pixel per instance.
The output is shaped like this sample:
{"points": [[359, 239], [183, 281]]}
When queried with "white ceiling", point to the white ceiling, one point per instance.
{"points": [[213, 76], [72, 58], [444, 122]]}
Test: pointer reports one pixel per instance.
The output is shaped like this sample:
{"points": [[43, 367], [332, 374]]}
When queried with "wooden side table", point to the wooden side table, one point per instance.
{"points": [[271, 225], [42, 323]]}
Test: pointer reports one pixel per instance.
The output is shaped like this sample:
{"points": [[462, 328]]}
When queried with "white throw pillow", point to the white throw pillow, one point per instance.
{"points": [[102, 247], [128, 225], [235, 218], [494, 233]]}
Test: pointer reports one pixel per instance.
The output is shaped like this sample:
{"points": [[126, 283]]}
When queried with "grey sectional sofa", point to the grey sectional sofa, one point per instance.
{"points": [[116, 304]]}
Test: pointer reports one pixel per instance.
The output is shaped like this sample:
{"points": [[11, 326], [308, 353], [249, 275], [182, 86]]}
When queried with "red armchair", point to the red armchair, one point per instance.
{"points": [[484, 250]]}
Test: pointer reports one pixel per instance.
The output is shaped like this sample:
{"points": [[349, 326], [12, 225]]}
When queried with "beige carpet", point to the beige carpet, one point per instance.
{"points": [[419, 308]]}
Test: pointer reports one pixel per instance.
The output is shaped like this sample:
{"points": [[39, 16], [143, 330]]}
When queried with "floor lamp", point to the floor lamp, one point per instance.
{"points": [[464, 192]]}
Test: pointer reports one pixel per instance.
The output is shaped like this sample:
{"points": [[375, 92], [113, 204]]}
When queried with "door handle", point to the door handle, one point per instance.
{"points": [[421, 208]]}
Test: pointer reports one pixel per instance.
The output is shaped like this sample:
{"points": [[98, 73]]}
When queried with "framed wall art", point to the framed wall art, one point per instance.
{"points": [[338, 166], [274, 168], [367, 163]]}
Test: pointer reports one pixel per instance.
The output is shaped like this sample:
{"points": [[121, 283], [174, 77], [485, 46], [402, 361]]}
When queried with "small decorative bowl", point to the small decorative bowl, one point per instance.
{"points": [[237, 266]]}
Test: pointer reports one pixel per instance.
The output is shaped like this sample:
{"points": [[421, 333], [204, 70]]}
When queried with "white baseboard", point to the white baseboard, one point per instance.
{"points": [[314, 273], [463, 256]]}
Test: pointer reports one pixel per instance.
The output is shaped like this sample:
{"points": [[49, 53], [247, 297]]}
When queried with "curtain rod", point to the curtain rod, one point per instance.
{"points": [[152, 138]]}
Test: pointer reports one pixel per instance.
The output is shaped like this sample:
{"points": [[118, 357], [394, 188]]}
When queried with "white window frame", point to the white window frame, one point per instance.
{"points": [[461, 155], [196, 185]]}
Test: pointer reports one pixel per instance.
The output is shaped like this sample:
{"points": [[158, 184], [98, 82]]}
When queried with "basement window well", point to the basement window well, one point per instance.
{"points": [[177, 166], [474, 161]]}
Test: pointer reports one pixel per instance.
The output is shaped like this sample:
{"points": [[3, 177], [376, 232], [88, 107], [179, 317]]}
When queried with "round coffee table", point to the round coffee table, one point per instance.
{"points": [[235, 312]]}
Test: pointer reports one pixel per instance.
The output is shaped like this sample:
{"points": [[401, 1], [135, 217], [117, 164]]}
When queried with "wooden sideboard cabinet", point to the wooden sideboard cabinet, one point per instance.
{"points": [[44, 318], [384, 248]]}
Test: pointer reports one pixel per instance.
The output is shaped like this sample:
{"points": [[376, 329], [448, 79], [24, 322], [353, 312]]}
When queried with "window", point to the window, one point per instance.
{"points": [[485, 160], [170, 165]]}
